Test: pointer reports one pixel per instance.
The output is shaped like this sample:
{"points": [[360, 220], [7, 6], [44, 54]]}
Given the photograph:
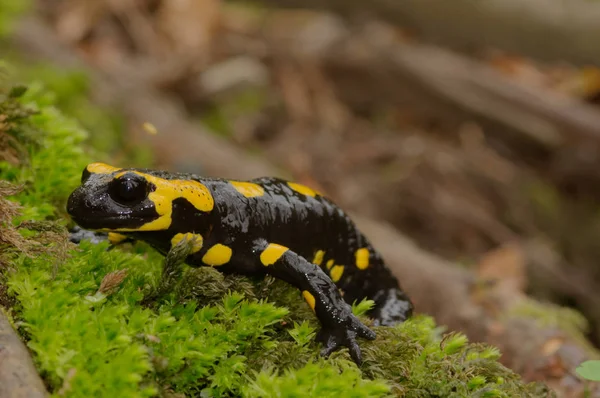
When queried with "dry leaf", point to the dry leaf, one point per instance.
{"points": [[112, 281]]}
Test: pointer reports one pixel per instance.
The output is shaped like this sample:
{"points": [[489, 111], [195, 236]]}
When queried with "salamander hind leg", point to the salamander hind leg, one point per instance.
{"points": [[340, 327], [392, 306], [376, 282]]}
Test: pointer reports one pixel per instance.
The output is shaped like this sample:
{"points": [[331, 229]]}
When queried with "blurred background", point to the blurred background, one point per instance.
{"points": [[464, 136]]}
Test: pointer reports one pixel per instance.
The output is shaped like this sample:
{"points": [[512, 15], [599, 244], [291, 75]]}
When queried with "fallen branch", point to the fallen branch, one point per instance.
{"points": [[548, 30], [441, 82]]}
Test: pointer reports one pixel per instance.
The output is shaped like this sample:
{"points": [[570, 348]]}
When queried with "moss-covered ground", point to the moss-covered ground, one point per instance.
{"points": [[78, 307]]}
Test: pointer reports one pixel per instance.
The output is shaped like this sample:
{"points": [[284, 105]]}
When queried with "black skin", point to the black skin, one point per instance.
{"points": [[300, 222]]}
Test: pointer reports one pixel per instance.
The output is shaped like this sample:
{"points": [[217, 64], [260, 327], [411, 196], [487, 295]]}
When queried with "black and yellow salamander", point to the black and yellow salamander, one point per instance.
{"points": [[263, 226]]}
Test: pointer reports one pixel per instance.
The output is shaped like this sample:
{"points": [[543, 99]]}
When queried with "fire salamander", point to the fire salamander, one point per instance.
{"points": [[263, 226]]}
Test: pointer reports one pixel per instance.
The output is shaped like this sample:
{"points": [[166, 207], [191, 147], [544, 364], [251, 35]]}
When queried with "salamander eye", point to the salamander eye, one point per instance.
{"points": [[128, 189]]}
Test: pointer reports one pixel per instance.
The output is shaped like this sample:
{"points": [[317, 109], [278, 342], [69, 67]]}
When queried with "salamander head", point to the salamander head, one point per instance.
{"points": [[126, 200], [112, 199]]}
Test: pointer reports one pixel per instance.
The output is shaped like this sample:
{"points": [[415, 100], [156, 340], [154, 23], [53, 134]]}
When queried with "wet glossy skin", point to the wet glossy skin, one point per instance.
{"points": [[262, 226]]}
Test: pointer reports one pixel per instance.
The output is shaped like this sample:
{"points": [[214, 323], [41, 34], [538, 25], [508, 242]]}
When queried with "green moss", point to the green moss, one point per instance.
{"points": [[55, 156], [69, 91], [211, 335], [313, 380]]}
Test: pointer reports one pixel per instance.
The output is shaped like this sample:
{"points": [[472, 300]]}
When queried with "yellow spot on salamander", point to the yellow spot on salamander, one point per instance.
{"points": [[310, 299], [115, 238], [167, 191], [196, 239], [330, 263], [163, 196], [272, 253], [362, 258], [217, 255], [303, 189], [318, 257], [248, 189], [336, 273], [101, 168]]}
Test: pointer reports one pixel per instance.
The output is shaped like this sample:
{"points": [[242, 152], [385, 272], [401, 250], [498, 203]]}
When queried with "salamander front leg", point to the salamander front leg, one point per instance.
{"points": [[172, 270], [339, 326], [77, 234]]}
